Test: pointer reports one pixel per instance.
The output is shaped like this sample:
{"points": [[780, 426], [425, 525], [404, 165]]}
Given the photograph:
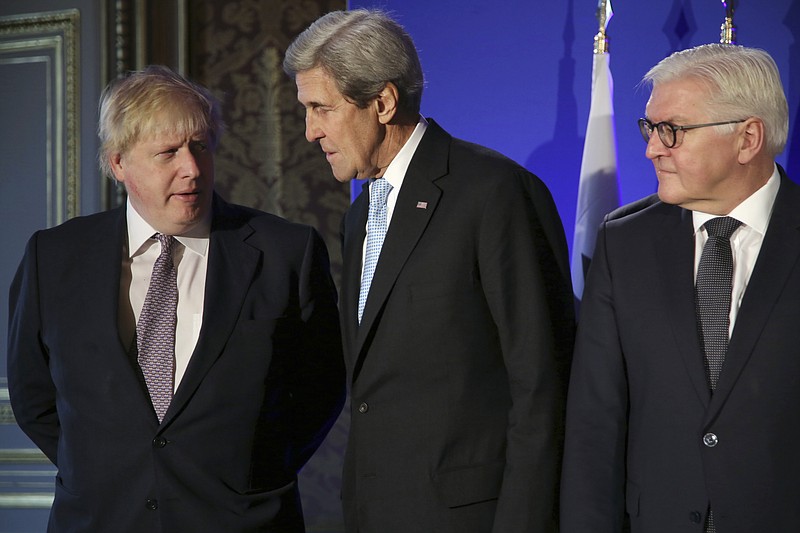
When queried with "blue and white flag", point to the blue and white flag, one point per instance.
{"points": [[598, 190]]}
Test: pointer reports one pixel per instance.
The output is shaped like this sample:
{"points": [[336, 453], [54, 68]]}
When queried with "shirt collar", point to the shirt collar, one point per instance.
{"points": [[755, 211], [140, 232], [396, 170]]}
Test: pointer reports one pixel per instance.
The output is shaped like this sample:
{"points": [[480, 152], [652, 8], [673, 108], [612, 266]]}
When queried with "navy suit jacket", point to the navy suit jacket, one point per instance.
{"points": [[264, 384], [458, 368], [639, 403]]}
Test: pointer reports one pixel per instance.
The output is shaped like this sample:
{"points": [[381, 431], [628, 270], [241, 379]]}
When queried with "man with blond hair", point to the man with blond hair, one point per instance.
{"points": [[178, 358]]}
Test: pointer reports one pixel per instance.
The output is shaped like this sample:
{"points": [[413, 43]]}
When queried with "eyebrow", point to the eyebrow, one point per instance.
{"points": [[674, 120]]}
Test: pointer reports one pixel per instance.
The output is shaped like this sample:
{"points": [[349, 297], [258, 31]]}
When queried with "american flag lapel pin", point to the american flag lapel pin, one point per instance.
{"points": [[422, 205]]}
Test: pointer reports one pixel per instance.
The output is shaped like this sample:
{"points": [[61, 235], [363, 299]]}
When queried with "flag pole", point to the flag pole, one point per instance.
{"points": [[604, 14], [728, 29]]}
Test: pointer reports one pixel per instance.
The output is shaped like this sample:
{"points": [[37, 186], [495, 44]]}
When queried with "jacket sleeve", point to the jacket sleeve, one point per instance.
{"points": [[523, 260], [317, 380], [32, 391], [592, 492]]}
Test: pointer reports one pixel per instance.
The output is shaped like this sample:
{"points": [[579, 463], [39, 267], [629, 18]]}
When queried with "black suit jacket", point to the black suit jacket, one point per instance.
{"points": [[263, 386], [640, 406], [458, 369]]}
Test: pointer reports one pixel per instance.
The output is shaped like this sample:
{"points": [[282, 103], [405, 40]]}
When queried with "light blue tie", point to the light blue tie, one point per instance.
{"points": [[376, 231]]}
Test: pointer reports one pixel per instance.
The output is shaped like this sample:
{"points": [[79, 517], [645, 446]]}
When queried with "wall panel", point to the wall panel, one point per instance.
{"points": [[39, 187]]}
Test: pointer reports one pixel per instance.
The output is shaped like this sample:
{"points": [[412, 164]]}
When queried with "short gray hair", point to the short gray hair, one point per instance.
{"points": [[131, 106], [362, 50], [743, 82]]}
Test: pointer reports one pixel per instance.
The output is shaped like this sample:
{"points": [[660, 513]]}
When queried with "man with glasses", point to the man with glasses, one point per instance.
{"points": [[684, 399]]}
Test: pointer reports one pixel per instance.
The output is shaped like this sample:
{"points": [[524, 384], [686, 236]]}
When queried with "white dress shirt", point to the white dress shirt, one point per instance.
{"points": [[191, 262], [754, 214], [396, 172]]}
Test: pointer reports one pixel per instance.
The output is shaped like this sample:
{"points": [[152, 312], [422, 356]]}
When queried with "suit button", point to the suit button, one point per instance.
{"points": [[695, 517], [159, 442], [151, 504], [710, 440], [363, 408]]}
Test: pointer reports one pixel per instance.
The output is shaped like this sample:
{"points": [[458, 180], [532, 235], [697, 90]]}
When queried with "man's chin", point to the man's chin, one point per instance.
{"points": [[343, 179], [669, 196]]}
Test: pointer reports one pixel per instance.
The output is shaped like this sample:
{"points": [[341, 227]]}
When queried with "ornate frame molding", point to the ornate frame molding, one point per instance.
{"points": [[138, 33], [55, 37]]}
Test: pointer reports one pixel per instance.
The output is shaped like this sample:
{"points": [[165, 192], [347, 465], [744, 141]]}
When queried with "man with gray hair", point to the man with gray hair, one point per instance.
{"points": [[684, 406], [456, 303]]}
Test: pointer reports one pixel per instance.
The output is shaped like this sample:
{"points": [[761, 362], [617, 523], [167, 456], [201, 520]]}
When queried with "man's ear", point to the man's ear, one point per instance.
{"points": [[386, 103], [115, 162], [751, 140]]}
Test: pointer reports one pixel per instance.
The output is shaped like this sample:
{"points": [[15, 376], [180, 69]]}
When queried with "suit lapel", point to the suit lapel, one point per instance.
{"points": [[101, 274], [779, 254], [675, 262], [417, 201], [231, 266], [103, 267], [354, 232], [408, 224]]}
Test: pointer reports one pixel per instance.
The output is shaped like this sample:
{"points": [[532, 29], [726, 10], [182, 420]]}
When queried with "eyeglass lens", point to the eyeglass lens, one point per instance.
{"points": [[665, 132]]}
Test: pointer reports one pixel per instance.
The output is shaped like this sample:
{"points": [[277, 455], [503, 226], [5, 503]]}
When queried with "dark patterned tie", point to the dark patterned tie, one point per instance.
{"points": [[713, 289], [713, 294], [376, 232], [155, 332]]}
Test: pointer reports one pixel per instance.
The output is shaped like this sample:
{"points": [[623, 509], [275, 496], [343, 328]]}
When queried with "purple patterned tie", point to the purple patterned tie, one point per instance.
{"points": [[155, 332]]}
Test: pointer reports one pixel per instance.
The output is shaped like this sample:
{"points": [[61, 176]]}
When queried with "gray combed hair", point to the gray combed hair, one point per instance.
{"points": [[362, 50], [743, 82]]}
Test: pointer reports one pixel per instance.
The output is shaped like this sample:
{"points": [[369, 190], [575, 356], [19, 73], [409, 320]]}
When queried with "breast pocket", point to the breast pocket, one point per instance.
{"points": [[249, 351]]}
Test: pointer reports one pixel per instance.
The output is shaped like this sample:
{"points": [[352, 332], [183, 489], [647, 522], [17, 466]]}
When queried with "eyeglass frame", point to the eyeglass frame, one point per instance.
{"points": [[645, 124]]}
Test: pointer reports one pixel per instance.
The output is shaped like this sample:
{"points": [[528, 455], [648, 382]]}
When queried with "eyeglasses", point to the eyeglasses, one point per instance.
{"points": [[668, 133]]}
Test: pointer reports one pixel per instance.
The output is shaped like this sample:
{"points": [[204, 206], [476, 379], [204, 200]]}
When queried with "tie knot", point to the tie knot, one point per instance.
{"points": [[167, 241], [722, 227], [379, 191]]}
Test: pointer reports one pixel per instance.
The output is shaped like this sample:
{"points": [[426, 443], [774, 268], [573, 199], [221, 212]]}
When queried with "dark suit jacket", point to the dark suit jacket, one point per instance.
{"points": [[458, 369], [639, 403], [264, 384]]}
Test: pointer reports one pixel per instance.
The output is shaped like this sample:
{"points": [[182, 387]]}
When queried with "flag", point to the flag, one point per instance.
{"points": [[598, 191]]}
